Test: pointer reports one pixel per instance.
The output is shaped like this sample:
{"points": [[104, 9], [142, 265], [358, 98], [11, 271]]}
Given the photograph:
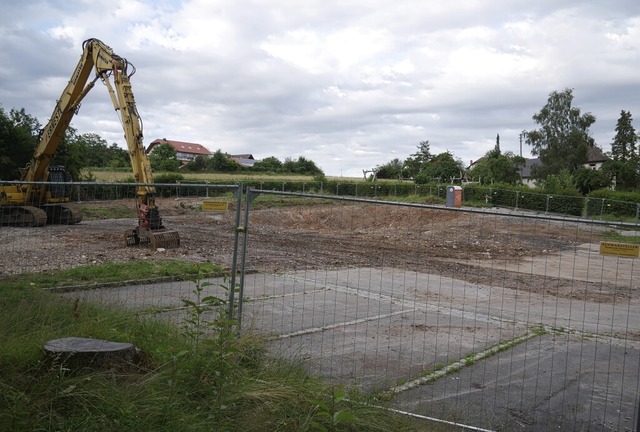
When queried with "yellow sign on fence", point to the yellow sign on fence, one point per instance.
{"points": [[628, 250], [215, 205]]}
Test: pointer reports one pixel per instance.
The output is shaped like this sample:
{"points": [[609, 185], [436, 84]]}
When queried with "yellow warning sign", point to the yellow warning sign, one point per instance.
{"points": [[215, 205], [628, 250]]}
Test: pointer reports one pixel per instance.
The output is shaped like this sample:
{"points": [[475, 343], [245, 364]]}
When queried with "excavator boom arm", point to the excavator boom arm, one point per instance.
{"points": [[95, 56], [98, 57], [124, 102]]}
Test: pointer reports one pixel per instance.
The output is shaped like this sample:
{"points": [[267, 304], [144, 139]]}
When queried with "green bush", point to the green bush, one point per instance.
{"points": [[169, 177], [619, 204], [523, 197]]}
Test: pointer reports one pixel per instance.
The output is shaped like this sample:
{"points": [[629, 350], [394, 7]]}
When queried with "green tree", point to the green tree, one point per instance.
{"points": [[118, 157], [441, 168], [20, 118], [301, 166], [17, 142], [624, 168], [309, 167], [563, 139], [561, 183], [587, 180], [623, 175], [624, 145], [71, 153], [97, 152], [222, 162], [163, 158], [391, 170], [197, 164], [495, 167], [91, 150], [269, 164], [415, 163]]}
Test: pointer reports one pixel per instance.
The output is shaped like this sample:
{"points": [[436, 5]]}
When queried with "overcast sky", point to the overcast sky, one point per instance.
{"points": [[350, 84]]}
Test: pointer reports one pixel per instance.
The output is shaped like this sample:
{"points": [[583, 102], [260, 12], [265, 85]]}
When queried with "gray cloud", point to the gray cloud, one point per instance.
{"points": [[350, 85]]}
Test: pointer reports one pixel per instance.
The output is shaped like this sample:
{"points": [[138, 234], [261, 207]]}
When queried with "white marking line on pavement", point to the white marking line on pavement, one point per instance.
{"points": [[340, 324], [271, 297]]}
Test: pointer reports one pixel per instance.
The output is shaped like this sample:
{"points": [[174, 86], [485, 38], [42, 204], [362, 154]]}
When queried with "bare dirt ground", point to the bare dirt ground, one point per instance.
{"points": [[319, 237]]}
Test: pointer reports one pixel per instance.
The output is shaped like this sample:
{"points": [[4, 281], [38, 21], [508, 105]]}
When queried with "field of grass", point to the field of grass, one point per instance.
{"points": [[117, 176], [186, 380]]}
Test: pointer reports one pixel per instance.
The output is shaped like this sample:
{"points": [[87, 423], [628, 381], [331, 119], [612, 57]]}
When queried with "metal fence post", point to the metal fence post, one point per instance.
{"points": [[547, 209], [250, 196], [638, 419], [234, 265]]}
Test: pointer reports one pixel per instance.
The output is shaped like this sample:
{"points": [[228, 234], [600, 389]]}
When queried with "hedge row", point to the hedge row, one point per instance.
{"points": [[596, 204], [519, 198], [620, 204]]}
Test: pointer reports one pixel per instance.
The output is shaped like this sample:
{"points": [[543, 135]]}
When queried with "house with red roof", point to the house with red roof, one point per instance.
{"points": [[185, 151]]}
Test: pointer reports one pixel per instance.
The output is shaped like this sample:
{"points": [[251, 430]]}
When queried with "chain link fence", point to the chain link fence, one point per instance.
{"points": [[496, 320], [491, 319]]}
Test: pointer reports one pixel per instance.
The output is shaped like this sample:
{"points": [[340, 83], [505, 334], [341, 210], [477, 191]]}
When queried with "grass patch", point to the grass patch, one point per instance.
{"points": [[106, 175], [415, 199], [216, 382], [268, 201], [110, 273], [615, 236], [111, 212], [615, 218]]}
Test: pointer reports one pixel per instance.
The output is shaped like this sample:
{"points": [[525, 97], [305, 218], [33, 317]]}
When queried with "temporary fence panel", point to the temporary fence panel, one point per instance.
{"points": [[495, 319], [205, 216]]}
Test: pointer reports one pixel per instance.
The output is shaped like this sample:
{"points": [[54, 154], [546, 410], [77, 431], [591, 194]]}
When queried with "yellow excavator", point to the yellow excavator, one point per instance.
{"points": [[42, 195]]}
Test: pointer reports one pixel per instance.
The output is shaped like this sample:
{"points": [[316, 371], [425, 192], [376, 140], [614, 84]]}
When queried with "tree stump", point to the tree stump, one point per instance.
{"points": [[75, 353]]}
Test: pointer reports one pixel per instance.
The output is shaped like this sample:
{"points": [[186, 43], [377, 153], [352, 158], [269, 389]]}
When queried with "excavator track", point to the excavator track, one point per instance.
{"points": [[23, 216], [63, 214]]}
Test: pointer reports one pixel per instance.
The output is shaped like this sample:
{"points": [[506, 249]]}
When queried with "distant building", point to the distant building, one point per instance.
{"points": [[525, 172], [185, 151], [595, 159], [244, 160]]}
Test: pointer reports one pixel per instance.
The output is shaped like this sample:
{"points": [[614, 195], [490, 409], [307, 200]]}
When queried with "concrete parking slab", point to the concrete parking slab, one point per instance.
{"points": [[549, 362]]}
